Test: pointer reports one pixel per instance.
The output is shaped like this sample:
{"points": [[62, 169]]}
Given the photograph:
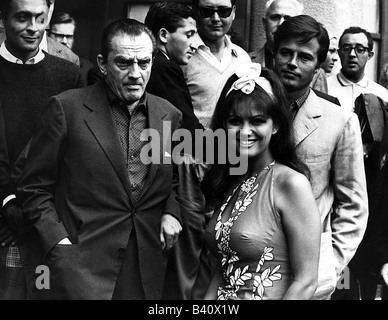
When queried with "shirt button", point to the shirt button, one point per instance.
{"points": [[121, 250]]}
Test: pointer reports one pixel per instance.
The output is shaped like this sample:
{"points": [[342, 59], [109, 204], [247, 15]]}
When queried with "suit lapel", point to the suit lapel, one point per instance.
{"points": [[100, 123], [305, 123]]}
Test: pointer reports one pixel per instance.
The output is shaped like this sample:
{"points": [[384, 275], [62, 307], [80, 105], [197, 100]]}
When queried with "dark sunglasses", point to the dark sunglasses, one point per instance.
{"points": [[223, 12]]}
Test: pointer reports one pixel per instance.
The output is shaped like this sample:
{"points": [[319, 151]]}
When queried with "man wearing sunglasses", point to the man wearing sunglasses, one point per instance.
{"points": [[216, 57], [355, 50]]}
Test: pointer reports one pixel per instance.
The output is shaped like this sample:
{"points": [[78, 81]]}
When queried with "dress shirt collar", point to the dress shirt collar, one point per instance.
{"points": [[363, 83], [4, 52], [301, 100]]}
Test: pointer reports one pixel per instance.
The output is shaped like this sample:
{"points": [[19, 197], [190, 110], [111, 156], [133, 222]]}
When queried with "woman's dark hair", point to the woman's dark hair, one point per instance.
{"points": [[218, 180]]}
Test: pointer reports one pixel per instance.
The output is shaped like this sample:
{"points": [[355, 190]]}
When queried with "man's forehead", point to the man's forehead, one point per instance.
{"points": [[187, 23], [297, 44], [135, 44], [215, 3], [63, 26], [32, 6], [359, 38], [283, 7]]}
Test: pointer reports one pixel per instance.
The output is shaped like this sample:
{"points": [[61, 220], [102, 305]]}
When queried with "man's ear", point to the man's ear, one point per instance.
{"points": [[101, 64], [163, 35], [370, 55], [234, 12]]}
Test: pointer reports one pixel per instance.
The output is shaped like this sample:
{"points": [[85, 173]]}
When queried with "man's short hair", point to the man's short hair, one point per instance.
{"points": [[168, 15], [5, 7], [299, 5], [129, 27], [196, 2], [303, 28], [354, 30], [61, 18]]}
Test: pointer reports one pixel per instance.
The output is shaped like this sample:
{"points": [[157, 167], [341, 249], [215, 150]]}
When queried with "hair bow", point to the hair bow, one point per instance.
{"points": [[248, 76]]}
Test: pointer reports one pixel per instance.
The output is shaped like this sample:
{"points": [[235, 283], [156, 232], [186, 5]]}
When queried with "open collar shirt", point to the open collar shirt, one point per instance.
{"points": [[347, 91], [229, 51]]}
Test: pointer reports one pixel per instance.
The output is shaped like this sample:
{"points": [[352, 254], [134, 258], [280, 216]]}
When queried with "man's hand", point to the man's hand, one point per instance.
{"points": [[6, 235], [13, 215], [384, 273], [169, 231]]}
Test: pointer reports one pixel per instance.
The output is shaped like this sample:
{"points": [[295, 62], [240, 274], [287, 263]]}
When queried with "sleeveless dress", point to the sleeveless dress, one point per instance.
{"points": [[250, 246]]}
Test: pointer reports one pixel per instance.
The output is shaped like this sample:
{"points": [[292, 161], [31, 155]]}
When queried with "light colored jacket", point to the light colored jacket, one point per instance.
{"points": [[328, 139]]}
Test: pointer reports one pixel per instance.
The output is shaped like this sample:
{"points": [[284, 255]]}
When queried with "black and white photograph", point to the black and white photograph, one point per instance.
{"points": [[192, 155]]}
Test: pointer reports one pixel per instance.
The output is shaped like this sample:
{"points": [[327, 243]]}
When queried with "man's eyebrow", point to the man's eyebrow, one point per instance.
{"points": [[129, 59], [30, 13]]}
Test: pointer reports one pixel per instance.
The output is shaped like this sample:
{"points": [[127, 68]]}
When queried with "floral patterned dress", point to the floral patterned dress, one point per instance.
{"points": [[247, 237]]}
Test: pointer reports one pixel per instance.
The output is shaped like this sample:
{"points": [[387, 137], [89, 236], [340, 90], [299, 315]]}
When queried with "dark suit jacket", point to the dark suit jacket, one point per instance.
{"points": [[4, 162], [167, 81], [76, 185]]}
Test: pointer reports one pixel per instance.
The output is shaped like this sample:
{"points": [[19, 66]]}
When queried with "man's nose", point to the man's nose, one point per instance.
{"points": [[32, 26], [134, 71], [293, 62], [352, 52], [215, 16]]}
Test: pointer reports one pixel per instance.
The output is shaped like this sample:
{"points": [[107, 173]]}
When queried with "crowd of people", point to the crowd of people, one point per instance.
{"points": [[182, 167]]}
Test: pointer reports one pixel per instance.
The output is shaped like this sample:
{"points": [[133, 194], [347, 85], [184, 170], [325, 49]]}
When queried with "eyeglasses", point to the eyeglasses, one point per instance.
{"points": [[223, 12], [61, 36], [358, 49]]}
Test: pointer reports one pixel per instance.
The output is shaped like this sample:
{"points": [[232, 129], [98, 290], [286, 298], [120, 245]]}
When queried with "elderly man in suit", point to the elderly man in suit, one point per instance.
{"points": [[328, 139], [105, 217]]}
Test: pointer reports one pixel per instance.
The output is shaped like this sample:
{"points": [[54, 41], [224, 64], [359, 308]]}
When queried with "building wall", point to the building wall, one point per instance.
{"points": [[335, 15]]}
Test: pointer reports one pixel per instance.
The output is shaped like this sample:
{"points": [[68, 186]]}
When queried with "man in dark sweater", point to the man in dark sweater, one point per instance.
{"points": [[28, 77]]}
